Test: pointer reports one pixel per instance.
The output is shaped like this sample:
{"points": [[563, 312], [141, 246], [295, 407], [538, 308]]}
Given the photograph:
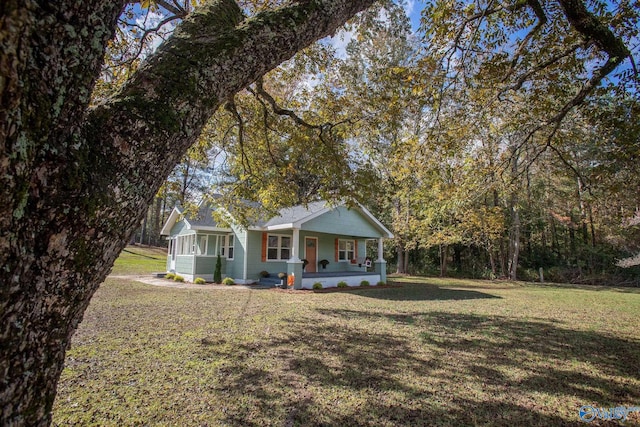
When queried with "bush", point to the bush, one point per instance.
{"points": [[381, 283], [317, 285], [264, 274], [228, 281], [170, 276], [364, 283], [178, 278], [282, 275], [199, 281], [342, 284], [217, 273]]}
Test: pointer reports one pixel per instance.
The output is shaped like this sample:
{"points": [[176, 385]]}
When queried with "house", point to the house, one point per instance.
{"points": [[313, 243]]}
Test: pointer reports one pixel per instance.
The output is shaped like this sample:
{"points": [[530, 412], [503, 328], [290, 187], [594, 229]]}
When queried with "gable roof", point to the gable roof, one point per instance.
{"points": [[296, 216], [202, 220], [287, 218]]}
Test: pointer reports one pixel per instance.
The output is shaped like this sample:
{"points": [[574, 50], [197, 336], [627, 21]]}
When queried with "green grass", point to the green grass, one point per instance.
{"points": [[140, 260], [434, 352]]}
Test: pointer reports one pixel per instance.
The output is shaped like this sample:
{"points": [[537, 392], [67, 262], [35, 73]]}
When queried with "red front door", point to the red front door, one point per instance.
{"points": [[311, 254]]}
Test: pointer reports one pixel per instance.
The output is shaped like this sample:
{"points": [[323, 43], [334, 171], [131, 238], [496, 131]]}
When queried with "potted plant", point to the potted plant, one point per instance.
{"points": [[283, 280]]}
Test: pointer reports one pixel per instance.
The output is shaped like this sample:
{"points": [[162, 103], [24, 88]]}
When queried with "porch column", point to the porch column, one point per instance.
{"points": [[295, 245], [294, 265], [380, 263]]}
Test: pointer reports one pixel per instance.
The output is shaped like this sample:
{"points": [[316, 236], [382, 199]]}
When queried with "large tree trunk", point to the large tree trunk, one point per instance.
{"points": [[514, 231], [444, 258], [400, 267], [75, 182]]}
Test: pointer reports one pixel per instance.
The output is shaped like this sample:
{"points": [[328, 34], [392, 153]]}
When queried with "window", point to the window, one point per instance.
{"points": [[202, 246], [227, 247], [346, 250], [186, 244], [278, 247]]}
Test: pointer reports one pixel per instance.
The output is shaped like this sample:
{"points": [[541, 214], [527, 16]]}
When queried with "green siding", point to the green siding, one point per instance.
{"points": [[343, 221], [236, 266], [184, 264], [207, 265], [180, 227], [255, 264]]}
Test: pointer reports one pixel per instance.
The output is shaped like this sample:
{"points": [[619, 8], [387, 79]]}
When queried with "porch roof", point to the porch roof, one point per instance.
{"points": [[297, 216]]}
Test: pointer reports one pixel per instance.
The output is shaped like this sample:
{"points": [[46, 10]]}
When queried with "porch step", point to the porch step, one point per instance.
{"points": [[270, 281]]}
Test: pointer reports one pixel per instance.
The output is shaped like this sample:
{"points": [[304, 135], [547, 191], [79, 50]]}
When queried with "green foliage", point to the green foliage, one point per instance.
{"points": [[364, 283], [317, 285], [217, 273], [170, 276], [342, 284], [380, 283], [264, 274], [228, 281], [200, 281], [178, 278]]}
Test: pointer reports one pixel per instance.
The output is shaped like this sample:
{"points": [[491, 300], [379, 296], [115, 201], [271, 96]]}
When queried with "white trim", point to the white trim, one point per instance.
{"points": [[346, 251], [279, 247], [225, 239], [295, 245], [199, 250], [364, 210], [332, 282], [171, 221], [281, 227], [209, 228]]}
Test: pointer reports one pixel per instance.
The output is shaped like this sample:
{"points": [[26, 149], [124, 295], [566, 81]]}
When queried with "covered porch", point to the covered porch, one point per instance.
{"points": [[326, 245], [330, 259]]}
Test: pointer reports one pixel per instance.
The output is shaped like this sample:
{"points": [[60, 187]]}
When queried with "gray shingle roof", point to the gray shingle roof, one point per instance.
{"points": [[203, 218], [296, 213]]}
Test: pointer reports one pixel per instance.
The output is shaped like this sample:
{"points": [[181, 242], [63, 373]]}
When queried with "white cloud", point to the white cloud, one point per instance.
{"points": [[409, 7], [340, 41]]}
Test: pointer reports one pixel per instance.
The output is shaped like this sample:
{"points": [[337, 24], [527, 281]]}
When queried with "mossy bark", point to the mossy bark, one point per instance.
{"points": [[75, 182]]}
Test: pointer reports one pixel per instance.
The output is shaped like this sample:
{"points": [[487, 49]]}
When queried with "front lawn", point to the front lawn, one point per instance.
{"points": [[140, 260], [434, 352]]}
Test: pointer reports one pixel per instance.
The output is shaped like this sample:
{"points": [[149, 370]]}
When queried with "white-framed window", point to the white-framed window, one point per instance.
{"points": [[346, 250], [186, 244], [227, 246], [278, 247], [202, 245]]}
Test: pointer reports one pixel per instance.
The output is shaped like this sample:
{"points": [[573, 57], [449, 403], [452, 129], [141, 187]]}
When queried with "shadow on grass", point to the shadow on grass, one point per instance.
{"points": [[425, 292], [443, 369]]}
